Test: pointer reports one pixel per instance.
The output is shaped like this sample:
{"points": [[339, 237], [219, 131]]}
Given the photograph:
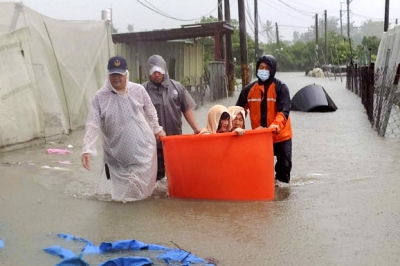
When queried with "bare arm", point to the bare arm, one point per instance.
{"points": [[190, 118]]}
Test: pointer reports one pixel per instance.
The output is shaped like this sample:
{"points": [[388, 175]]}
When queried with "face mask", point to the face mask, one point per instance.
{"points": [[263, 74]]}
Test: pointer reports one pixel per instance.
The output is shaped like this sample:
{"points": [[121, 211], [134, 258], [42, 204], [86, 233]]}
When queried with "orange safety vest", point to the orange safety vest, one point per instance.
{"points": [[254, 99]]}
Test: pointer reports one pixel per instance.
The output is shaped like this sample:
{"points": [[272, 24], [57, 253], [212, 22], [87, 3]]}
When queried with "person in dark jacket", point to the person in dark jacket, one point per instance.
{"points": [[268, 101], [171, 100]]}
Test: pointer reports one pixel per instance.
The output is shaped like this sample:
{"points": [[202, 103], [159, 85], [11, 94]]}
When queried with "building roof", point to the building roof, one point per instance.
{"points": [[185, 32]]}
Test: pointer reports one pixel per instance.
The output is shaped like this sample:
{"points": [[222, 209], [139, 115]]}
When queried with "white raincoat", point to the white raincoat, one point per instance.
{"points": [[128, 123]]}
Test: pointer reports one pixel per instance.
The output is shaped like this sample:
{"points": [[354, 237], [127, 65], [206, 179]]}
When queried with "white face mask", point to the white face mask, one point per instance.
{"points": [[263, 74]]}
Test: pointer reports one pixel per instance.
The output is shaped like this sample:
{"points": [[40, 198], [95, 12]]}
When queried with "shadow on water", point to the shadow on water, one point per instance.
{"points": [[282, 194]]}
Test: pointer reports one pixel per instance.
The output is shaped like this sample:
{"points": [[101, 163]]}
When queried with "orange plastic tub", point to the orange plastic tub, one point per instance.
{"points": [[221, 166]]}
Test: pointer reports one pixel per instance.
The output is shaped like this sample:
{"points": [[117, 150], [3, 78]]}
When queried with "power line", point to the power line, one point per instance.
{"points": [[298, 10], [290, 26], [251, 20], [304, 5], [280, 10], [357, 15], [174, 18]]}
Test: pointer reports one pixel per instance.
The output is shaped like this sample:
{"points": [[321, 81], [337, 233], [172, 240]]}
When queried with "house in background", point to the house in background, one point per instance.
{"points": [[184, 59]]}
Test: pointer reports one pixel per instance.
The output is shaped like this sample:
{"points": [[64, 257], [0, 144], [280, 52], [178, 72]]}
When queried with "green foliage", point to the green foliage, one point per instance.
{"points": [[299, 54], [208, 43]]}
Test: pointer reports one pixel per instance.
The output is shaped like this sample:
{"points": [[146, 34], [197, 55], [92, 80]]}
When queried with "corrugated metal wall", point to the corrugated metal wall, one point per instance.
{"points": [[188, 59]]}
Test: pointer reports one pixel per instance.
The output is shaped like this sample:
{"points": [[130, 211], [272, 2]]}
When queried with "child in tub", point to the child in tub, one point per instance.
{"points": [[218, 121]]}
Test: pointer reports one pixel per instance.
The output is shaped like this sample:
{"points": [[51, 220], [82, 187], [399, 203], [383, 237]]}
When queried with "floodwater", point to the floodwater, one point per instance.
{"points": [[342, 207]]}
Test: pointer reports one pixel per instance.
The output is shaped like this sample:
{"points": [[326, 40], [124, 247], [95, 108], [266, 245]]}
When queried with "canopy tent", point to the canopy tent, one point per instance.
{"points": [[49, 73], [313, 98]]}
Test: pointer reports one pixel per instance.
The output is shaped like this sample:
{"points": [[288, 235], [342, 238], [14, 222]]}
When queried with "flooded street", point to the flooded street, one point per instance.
{"points": [[342, 207]]}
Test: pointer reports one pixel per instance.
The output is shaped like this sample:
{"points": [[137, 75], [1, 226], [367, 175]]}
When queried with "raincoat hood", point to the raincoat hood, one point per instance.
{"points": [[158, 61], [234, 110], [271, 63], [107, 82], [214, 115]]}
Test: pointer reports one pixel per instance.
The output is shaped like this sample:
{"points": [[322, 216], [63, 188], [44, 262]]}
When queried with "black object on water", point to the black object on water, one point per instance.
{"points": [[313, 98]]}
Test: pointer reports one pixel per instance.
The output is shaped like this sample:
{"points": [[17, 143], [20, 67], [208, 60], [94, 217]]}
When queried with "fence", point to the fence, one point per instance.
{"points": [[379, 94], [212, 86]]}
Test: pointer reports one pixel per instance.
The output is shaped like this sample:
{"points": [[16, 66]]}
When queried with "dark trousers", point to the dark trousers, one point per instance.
{"points": [[160, 162], [283, 166]]}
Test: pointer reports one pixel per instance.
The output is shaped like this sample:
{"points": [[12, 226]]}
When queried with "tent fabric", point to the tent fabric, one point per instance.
{"points": [[49, 73], [390, 40], [313, 98]]}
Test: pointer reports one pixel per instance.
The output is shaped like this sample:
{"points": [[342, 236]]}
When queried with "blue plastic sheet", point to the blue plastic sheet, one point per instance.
{"points": [[181, 256], [128, 261], [169, 256], [76, 261], [69, 237], [122, 245], [1, 242], [60, 252]]}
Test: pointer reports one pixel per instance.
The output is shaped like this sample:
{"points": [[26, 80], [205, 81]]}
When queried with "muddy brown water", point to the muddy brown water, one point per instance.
{"points": [[342, 207]]}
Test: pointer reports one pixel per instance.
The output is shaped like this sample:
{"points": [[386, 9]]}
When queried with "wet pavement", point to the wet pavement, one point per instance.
{"points": [[342, 207]]}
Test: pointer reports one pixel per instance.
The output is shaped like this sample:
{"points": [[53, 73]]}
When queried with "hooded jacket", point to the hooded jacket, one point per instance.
{"points": [[213, 118], [234, 111], [170, 98], [268, 102]]}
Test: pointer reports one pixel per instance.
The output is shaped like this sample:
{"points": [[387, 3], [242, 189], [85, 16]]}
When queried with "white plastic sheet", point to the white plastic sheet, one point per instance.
{"points": [[52, 83]]}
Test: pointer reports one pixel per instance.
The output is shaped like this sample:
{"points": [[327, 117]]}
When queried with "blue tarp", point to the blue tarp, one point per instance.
{"points": [[1, 242], [128, 261], [169, 256]]}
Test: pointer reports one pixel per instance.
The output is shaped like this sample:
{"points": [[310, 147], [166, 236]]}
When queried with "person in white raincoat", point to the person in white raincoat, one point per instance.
{"points": [[123, 113]]}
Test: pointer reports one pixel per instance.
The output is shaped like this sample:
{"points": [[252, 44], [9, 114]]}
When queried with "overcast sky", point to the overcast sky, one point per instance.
{"points": [[291, 15]]}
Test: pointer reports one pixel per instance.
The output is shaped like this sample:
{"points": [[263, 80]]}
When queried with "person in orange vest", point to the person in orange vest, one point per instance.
{"points": [[268, 101]]}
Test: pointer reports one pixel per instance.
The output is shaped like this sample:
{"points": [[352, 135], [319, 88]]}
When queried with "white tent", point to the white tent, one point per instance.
{"points": [[49, 72], [390, 42]]}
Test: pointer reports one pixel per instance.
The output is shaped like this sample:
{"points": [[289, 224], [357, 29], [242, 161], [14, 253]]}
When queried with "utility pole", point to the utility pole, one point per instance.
{"points": [[316, 63], [243, 44], [256, 28], [341, 24], [348, 19], [277, 42], [326, 35], [220, 39], [277, 35], [230, 71], [386, 26]]}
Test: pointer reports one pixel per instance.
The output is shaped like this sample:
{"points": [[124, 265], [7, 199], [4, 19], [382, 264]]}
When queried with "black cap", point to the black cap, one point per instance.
{"points": [[117, 65]]}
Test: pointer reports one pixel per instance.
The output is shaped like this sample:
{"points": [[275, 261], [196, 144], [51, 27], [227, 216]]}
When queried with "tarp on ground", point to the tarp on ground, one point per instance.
{"points": [[50, 70], [313, 98]]}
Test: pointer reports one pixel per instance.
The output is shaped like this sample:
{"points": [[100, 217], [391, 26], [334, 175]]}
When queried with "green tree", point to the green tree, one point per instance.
{"points": [[208, 43], [368, 28]]}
